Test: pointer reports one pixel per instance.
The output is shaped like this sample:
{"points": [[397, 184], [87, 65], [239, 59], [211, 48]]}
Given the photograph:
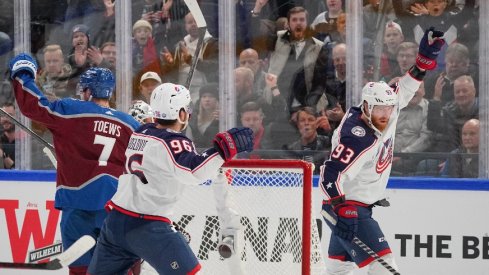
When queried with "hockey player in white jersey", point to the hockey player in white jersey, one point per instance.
{"points": [[160, 162], [355, 176]]}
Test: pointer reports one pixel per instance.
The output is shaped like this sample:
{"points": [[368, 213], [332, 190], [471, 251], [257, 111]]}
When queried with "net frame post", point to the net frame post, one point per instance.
{"points": [[307, 169]]}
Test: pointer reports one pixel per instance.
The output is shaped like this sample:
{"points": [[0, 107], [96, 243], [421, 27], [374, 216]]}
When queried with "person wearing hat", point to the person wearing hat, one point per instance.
{"points": [[143, 48], [147, 84], [393, 37], [204, 122], [80, 41]]}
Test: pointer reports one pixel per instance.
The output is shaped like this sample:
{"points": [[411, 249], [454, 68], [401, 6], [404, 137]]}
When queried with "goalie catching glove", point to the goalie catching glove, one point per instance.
{"points": [[233, 141], [429, 48], [23, 63]]}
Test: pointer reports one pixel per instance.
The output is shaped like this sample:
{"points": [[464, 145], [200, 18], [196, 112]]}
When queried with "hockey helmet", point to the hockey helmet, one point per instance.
{"points": [[379, 93], [140, 111], [100, 81], [168, 99]]}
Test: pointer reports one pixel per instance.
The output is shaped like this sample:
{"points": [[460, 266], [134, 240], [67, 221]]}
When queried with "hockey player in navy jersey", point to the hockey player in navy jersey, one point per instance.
{"points": [[354, 178], [160, 162], [90, 139]]}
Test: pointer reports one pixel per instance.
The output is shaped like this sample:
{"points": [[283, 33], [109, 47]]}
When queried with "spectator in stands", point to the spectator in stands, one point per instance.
{"points": [[335, 82], [310, 146], [53, 79], [244, 79], [443, 15], [324, 25], [299, 61], [183, 54], [149, 81], [144, 53], [109, 53], [204, 122], [251, 116], [447, 121], [463, 162], [373, 14], [393, 37], [439, 87], [86, 12], [7, 139], [436, 13], [412, 134], [80, 43], [249, 58], [162, 19], [103, 27], [406, 58]]}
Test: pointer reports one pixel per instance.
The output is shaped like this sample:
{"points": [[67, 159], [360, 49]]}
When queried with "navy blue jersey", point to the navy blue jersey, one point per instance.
{"points": [[160, 162], [360, 161]]}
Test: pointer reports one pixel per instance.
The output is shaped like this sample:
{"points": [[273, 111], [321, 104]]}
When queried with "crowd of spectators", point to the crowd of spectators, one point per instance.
{"points": [[291, 67]]}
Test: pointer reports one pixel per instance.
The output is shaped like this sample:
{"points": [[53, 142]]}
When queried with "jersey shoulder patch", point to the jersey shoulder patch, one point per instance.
{"points": [[355, 132]]}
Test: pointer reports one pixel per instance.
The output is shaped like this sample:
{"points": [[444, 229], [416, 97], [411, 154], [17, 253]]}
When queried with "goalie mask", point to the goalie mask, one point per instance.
{"points": [[377, 94], [141, 111], [168, 99], [100, 81]]}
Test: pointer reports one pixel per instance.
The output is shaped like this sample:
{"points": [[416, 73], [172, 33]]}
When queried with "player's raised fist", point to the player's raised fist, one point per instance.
{"points": [[429, 48], [234, 141], [23, 63]]}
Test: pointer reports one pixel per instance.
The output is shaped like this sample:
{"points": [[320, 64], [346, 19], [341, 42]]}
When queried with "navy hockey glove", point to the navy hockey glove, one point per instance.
{"points": [[347, 223], [23, 63], [233, 141], [429, 48]]}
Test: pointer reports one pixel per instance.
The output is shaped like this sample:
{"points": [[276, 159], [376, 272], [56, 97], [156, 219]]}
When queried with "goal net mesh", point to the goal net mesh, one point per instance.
{"points": [[277, 228]]}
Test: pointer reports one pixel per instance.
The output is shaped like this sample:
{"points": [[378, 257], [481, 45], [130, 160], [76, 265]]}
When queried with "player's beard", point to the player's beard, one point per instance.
{"points": [[380, 123]]}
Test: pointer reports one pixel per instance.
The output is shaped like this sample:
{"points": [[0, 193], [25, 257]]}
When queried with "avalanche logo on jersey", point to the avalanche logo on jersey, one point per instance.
{"points": [[385, 156]]}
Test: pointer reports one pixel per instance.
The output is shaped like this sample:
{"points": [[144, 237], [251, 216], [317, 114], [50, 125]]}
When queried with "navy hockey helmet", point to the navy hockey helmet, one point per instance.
{"points": [[100, 81]]}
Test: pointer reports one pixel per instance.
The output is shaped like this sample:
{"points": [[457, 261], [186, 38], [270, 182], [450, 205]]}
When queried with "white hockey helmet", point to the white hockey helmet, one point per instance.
{"points": [[379, 93], [140, 111], [168, 99]]}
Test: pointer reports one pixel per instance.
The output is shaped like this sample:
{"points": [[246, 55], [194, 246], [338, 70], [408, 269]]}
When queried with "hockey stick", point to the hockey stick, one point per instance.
{"points": [[194, 8], [25, 128], [50, 156], [75, 251], [363, 246]]}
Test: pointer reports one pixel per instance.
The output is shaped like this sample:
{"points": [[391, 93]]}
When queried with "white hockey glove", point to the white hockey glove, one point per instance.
{"points": [[228, 217], [226, 245]]}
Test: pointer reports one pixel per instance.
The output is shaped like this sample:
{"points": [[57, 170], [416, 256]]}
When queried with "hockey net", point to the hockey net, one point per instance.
{"points": [[278, 233]]}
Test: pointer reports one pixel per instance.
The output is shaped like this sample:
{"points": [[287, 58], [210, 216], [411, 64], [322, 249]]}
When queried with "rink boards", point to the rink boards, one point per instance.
{"points": [[434, 226]]}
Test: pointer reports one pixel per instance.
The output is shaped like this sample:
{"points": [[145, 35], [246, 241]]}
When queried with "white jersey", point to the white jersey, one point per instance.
{"points": [[158, 166], [361, 158]]}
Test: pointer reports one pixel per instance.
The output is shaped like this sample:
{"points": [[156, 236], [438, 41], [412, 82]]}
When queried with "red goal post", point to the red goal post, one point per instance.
{"points": [[279, 233]]}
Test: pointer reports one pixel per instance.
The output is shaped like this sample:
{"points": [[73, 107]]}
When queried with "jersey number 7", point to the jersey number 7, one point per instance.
{"points": [[108, 144]]}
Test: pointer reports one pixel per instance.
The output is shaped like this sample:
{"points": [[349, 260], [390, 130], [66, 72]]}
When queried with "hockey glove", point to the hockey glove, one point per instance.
{"points": [[429, 48], [347, 223], [23, 63], [233, 141]]}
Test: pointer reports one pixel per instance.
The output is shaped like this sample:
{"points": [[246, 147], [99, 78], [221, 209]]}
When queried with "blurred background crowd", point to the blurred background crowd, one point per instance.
{"points": [[290, 74]]}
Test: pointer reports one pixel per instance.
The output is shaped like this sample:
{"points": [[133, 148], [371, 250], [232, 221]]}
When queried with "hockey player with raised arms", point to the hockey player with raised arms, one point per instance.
{"points": [[355, 176], [161, 161], [90, 139]]}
